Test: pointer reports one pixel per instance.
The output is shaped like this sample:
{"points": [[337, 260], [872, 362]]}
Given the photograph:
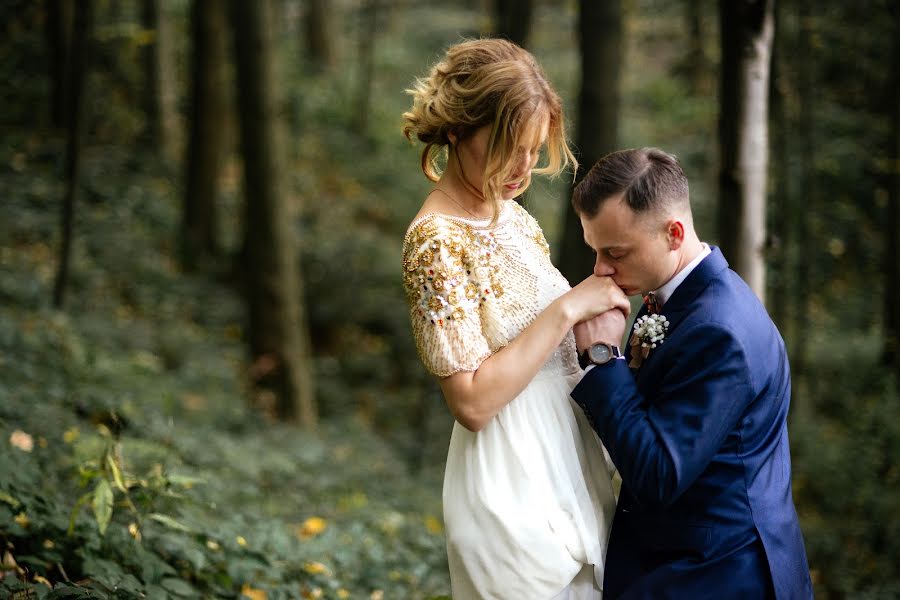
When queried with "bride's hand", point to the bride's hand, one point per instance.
{"points": [[608, 328], [593, 296]]}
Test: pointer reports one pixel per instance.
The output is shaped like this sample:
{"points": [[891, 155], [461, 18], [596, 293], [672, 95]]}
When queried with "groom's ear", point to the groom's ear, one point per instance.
{"points": [[675, 234]]}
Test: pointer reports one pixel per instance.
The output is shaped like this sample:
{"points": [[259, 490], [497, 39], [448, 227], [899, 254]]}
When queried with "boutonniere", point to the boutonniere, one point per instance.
{"points": [[649, 332]]}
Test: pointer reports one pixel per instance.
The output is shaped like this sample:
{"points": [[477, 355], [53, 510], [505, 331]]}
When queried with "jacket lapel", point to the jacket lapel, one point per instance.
{"points": [[676, 307], [710, 268]]}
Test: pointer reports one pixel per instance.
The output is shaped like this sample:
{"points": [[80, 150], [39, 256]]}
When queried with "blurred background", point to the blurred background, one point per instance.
{"points": [[208, 387]]}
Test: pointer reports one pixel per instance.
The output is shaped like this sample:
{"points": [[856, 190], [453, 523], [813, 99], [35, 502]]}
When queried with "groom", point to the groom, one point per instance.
{"points": [[696, 425]]}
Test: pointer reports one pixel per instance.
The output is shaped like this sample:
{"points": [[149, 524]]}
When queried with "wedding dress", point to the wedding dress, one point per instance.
{"points": [[528, 500]]}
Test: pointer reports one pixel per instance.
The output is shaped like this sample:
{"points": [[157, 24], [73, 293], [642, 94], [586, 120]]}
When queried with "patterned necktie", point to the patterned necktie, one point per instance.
{"points": [[652, 304]]}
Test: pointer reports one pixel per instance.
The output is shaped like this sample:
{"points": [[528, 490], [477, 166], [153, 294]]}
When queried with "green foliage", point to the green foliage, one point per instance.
{"points": [[148, 472], [845, 482], [131, 465]]}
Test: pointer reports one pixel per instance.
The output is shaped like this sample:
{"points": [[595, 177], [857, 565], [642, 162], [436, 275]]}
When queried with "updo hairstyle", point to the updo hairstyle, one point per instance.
{"points": [[487, 82]]}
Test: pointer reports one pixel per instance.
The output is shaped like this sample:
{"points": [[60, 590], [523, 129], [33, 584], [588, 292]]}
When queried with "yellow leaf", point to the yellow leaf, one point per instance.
{"points": [[21, 440], [342, 593], [311, 527], [43, 580], [433, 525], [135, 531], [8, 562], [213, 545], [23, 520], [253, 593], [241, 541], [316, 568], [116, 472], [49, 545], [71, 435], [377, 595], [193, 402]]}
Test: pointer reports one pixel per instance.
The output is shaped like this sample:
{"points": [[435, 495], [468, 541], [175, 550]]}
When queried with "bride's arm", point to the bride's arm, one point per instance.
{"points": [[474, 397]]}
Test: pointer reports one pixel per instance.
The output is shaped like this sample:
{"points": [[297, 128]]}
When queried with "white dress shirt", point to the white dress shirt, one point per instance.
{"points": [[667, 289]]}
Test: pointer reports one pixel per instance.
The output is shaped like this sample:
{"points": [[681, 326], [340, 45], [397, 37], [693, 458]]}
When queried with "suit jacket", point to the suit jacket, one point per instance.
{"points": [[699, 436]]}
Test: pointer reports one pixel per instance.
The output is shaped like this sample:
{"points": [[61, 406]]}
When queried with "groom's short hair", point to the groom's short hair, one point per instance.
{"points": [[647, 178]]}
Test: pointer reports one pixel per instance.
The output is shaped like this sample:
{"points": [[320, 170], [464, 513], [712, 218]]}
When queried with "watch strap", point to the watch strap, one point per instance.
{"points": [[584, 358]]}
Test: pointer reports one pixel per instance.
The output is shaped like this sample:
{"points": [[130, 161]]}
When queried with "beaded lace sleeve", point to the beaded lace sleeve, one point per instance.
{"points": [[444, 294]]}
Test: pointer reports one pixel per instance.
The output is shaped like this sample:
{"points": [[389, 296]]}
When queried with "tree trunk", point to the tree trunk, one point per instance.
{"points": [[59, 34], [76, 74], [696, 63], [150, 57], [369, 14], [512, 20], [808, 183], [892, 257], [277, 325], [319, 35], [199, 242], [159, 97], [602, 42], [746, 28], [781, 213]]}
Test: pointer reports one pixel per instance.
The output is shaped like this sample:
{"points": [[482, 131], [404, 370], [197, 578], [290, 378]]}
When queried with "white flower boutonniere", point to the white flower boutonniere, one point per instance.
{"points": [[649, 332]]}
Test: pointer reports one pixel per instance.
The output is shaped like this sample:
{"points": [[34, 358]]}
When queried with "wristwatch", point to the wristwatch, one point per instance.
{"points": [[598, 354]]}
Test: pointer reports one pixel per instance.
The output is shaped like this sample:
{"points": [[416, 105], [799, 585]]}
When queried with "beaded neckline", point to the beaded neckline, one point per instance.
{"points": [[475, 223]]}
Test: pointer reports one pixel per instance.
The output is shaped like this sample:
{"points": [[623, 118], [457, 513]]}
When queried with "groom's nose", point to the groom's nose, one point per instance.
{"points": [[602, 268]]}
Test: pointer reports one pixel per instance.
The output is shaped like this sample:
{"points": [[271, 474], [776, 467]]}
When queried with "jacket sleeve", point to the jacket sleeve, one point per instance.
{"points": [[661, 446]]}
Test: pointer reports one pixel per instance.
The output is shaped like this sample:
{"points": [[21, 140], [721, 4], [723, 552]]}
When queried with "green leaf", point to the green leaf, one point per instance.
{"points": [[185, 480], [103, 504], [170, 522], [178, 587], [81, 502], [116, 472], [4, 497]]}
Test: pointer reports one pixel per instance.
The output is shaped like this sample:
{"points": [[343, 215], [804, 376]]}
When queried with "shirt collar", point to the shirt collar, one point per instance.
{"points": [[665, 292]]}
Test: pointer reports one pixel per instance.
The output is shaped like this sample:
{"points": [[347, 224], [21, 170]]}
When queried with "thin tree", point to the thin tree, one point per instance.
{"points": [[319, 35], [277, 324], [205, 154], [76, 74], [696, 65], [512, 20], [746, 30], [804, 58], [159, 93], [58, 30], [892, 254], [369, 14], [601, 44], [781, 214]]}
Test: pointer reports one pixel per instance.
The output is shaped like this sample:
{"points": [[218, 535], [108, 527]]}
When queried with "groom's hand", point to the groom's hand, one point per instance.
{"points": [[608, 328]]}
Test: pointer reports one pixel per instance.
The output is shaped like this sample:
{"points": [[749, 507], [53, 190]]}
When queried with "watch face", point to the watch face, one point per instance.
{"points": [[600, 353]]}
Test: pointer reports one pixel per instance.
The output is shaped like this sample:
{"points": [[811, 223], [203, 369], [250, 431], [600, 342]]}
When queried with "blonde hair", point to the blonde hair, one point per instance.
{"points": [[487, 82]]}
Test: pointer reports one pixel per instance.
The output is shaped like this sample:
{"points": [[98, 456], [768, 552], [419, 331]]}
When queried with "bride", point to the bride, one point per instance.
{"points": [[527, 495]]}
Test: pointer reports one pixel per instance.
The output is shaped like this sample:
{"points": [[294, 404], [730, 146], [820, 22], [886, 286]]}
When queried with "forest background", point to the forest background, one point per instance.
{"points": [[208, 386]]}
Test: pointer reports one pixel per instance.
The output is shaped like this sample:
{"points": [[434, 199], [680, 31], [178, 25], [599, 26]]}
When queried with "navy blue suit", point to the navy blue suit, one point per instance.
{"points": [[699, 436]]}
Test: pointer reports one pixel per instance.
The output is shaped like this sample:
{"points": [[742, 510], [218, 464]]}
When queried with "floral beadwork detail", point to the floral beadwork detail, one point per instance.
{"points": [[472, 287], [442, 279]]}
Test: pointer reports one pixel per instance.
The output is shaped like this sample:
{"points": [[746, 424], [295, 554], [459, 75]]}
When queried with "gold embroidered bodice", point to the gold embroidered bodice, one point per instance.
{"points": [[473, 287]]}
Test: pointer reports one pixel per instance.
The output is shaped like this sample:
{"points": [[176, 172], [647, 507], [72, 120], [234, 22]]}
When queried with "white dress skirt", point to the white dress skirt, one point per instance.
{"points": [[528, 500]]}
